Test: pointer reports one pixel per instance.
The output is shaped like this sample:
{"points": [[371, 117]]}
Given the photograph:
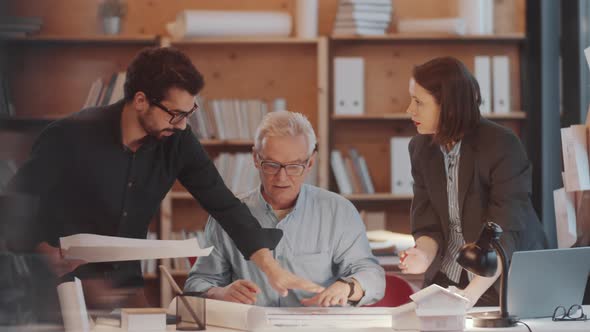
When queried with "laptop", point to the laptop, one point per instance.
{"points": [[540, 280]]}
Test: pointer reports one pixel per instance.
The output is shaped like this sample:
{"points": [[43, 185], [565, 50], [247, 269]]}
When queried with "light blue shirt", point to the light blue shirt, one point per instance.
{"points": [[324, 238]]}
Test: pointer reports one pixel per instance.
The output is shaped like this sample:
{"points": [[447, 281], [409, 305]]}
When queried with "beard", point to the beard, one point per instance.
{"points": [[155, 132]]}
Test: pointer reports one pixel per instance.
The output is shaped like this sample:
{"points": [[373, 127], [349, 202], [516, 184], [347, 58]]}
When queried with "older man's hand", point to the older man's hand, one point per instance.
{"points": [[336, 294], [240, 291]]}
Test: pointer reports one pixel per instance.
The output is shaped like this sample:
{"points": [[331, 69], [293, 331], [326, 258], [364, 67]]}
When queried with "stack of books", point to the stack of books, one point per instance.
{"points": [[13, 26], [228, 118], [351, 172], [238, 171], [101, 94], [363, 17]]}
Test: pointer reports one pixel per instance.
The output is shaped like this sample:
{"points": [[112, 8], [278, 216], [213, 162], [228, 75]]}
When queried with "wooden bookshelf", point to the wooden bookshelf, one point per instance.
{"points": [[85, 39], [436, 37], [517, 115], [150, 276], [377, 197], [227, 143], [244, 40]]}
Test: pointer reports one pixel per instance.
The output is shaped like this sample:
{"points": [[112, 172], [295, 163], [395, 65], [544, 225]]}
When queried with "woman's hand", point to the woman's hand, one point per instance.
{"points": [[414, 261]]}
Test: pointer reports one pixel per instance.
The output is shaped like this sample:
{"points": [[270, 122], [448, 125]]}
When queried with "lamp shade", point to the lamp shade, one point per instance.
{"points": [[480, 257], [483, 262]]}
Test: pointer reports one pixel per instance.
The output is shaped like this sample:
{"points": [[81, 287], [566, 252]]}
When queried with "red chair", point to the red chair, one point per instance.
{"points": [[397, 292]]}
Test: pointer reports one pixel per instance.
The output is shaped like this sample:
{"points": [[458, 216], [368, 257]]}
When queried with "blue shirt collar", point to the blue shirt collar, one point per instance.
{"points": [[300, 199]]}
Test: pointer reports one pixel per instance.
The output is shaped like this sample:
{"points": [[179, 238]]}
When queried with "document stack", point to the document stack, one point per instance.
{"points": [[363, 17], [572, 201]]}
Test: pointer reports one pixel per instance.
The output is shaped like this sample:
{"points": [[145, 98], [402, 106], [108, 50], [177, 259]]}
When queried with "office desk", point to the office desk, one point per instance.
{"points": [[537, 325]]}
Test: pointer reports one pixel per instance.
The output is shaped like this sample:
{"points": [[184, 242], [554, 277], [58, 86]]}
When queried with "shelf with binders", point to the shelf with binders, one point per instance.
{"points": [[377, 121], [403, 116]]}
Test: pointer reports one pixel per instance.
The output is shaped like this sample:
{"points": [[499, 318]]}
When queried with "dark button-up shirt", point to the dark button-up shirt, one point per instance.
{"points": [[87, 181]]}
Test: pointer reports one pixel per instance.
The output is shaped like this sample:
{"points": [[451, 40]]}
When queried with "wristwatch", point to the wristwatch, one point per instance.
{"points": [[350, 284]]}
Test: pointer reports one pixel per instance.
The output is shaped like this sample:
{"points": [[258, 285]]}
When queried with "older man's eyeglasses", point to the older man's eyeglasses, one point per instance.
{"points": [[176, 115], [273, 167], [575, 312]]}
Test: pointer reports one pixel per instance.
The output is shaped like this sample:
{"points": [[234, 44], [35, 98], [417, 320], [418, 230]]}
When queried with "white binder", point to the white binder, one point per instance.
{"points": [[401, 167], [478, 15], [501, 68], [483, 74], [349, 83]]}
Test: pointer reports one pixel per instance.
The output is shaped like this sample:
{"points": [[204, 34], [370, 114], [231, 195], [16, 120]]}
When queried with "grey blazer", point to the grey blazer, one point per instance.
{"points": [[494, 185]]}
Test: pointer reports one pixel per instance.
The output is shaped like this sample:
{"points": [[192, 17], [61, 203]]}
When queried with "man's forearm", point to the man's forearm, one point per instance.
{"points": [[264, 260]]}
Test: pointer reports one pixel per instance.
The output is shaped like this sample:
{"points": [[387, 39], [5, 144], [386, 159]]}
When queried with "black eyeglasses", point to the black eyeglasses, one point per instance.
{"points": [[176, 116], [575, 312], [273, 168]]}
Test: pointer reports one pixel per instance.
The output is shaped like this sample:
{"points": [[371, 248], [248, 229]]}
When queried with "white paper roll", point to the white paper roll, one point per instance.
{"points": [[307, 18], [210, 23], [73, 306], [440, 25]]}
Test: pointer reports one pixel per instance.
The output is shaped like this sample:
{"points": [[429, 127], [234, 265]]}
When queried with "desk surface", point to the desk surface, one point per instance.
{"points": [[537, 325]]}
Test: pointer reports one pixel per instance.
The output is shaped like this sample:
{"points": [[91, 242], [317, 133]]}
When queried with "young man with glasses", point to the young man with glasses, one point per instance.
{"points": [[324, 238], [105, 170]]}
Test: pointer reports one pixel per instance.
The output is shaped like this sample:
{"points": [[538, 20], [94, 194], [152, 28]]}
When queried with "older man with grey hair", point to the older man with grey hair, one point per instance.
{"points": [[324, 237]]}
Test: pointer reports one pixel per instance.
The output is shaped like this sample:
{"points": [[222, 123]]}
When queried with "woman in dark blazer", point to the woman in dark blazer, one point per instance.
{"points": [[467, 171]]}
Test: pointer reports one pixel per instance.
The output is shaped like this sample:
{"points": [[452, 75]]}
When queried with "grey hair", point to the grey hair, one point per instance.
{"points": [[285, 123]]}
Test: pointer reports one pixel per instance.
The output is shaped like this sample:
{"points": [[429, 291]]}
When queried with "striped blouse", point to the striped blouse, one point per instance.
{"points": [[449, 266]]}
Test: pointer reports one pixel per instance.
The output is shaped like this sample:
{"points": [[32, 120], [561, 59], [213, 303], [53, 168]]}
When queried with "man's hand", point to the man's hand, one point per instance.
{"points": [[56, 262], [280, 279], [336, 294], [414, 261], [240, 291]]}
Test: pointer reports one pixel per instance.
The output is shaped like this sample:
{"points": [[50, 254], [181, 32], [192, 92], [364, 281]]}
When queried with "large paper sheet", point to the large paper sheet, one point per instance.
{"points": [[99, 248], [248, 317], [336, 317]]}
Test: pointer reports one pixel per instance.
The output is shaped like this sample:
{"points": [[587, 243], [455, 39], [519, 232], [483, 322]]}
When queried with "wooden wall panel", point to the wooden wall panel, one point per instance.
{"points": [[249, 71], [53, 80]]}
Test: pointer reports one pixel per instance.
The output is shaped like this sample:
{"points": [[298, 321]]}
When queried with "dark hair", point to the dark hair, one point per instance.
{"points": [[155, 70], [457, 93]]}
